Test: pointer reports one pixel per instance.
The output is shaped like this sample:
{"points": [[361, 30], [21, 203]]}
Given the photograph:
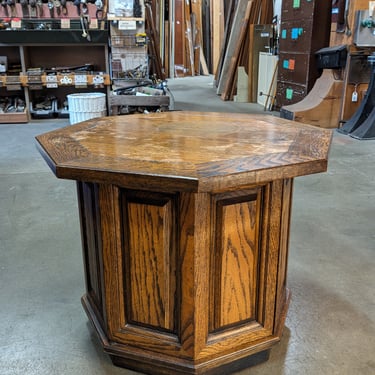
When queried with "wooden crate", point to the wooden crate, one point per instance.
{"points": [[14, 118]]}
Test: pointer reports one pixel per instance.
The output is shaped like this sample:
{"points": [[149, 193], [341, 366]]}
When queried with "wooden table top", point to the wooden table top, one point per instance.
{"points": [[186, 151]]}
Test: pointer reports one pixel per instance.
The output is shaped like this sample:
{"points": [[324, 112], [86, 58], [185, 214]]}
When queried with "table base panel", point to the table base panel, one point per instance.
{"points": [[154, 364], [163, 369]]}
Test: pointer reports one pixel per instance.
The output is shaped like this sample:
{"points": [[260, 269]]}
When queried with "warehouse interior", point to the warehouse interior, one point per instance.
{"points": [[330, 324]]}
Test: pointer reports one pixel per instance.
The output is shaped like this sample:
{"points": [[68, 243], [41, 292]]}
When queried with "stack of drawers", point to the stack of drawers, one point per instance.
{"points": [[305, 28]]}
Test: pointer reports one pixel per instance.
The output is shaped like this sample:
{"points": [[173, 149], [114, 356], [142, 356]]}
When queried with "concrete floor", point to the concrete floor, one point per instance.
{"points": [[330, 327]]}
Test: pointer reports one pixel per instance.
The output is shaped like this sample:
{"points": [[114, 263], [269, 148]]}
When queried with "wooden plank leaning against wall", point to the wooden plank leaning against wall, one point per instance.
{"points": [[237, 46], [186, 26]]}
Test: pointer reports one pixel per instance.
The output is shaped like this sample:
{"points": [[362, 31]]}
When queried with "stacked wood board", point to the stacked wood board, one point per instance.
{"points": [[179, 24], [209, 36], [236, 49]]}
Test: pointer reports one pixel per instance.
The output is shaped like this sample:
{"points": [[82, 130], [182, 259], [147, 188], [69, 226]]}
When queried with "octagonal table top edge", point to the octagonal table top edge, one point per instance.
{"points": [[195, 151]]}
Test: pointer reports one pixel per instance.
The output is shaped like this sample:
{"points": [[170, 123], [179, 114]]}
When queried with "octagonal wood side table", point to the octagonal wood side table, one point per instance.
{"points": [[185, 225]]}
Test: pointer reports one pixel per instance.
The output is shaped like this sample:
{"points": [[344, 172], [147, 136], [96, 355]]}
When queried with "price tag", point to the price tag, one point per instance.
{"points": [[98, 80], [80, 78], [127, 25], [15, 24], [355, 94], [93, 23], [65, 23], [65, 80], [51, 81], [51, 78]]}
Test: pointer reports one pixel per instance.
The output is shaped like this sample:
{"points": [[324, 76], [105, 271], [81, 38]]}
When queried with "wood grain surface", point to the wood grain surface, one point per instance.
{"points": [[191, 151]]}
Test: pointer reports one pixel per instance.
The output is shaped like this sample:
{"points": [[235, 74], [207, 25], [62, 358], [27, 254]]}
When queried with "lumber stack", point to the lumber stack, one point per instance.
{"points": [[180, 36], [237, 40], [208, 36]]}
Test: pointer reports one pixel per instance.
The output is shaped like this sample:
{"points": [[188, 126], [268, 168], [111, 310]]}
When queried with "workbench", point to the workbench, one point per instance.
{"points": [[185, 225]]}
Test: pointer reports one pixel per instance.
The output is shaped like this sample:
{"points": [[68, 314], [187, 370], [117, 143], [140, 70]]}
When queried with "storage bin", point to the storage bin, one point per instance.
{"points": [[85, 106]]}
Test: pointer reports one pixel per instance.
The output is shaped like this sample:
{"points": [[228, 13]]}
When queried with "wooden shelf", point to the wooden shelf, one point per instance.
{"points": [[112, 17], [62, 80], [27, 50], [69, 79]]}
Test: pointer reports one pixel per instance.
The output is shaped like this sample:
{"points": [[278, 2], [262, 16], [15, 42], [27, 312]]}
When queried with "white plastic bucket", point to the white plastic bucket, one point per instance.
{"points": [[85, 106]]}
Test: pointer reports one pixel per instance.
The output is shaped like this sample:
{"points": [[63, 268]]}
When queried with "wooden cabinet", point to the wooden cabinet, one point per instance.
{"points": [[304, 29], [185, 226]]}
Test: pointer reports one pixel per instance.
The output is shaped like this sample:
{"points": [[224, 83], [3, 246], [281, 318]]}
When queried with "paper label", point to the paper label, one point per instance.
{"points": [[51, 78], [93, 23], [80, 78], [127, 25], [65, 23], [15, 24]]}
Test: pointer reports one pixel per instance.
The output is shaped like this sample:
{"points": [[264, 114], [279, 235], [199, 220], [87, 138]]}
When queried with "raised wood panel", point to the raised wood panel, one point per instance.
{"points": [[271, 250], [282, 291], [150, 259], [91, 241], [236, 257]]}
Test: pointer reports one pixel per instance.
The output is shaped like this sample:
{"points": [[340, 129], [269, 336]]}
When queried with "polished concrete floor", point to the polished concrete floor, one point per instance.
{"points": [[330, 327]]}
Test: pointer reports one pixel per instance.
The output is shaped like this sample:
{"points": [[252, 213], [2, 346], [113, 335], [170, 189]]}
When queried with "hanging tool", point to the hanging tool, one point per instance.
{"points": [[51, 9], [4, 4], [84, 8], [39, 5], [32, 4], [57, 5], [13, 10], [85, 21], [25, 8], [77, 3], [99, 12], [64, 9]]}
